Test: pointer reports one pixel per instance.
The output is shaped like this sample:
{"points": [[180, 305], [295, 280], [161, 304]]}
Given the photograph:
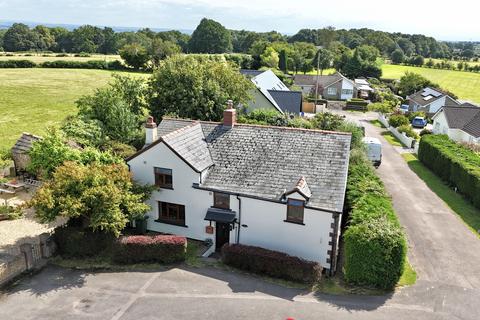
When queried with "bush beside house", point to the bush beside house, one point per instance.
{"points": [[271, 263], [161, 249], [454, 163], [397, 120], [77, 242], [375, 245]]}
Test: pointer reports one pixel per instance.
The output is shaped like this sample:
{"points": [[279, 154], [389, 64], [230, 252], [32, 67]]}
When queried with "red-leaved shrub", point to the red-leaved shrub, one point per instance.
{"points": [[161, 248], [272, 263]]}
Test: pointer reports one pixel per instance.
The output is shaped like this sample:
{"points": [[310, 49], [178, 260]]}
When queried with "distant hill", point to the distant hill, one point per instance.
{"points": [[4, 24]]}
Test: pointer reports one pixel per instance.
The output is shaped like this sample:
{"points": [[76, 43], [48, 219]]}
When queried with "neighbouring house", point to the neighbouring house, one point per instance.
{"points": [[330, 87], [362, 88], [20, 151], [460, 123], [274, 187], [272, 93], [429, 100]]}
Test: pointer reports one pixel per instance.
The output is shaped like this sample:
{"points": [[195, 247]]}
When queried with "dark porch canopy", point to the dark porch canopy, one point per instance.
{"points": [[220, 215]]}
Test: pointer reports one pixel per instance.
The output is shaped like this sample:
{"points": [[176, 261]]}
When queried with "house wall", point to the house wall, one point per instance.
{"points": [[440, 126], [347, 85], [436, 105], [264, 220], [339, 86], [259, 101]]}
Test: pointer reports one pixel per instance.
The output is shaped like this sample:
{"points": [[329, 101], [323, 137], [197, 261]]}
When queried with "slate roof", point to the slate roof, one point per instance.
{"points": [[264, 162], [421, 97], [324, 81], [465, 118], [250, 73], [288, 101], [301, 186], [189, 143], [24, 143]]}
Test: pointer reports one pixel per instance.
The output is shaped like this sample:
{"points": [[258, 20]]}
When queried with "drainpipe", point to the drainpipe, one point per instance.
{"points": [[239, 218]]}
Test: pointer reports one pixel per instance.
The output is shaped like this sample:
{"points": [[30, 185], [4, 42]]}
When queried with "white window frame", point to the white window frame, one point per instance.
{"points": [[332, 91]]}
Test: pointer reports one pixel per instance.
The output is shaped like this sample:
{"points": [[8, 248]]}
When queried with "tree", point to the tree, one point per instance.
{"points": [[417, 60], [87, 39], [110, 41], [398, 56], [325, 59], [120, 109], [210, 37], [18, 38], [188, 88], [269, 58], [53, 150], [413, 82], [160, 49], [103, 196], [283, 61], [135, 55]]}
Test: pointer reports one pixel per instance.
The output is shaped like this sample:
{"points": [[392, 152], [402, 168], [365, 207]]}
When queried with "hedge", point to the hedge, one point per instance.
{"points": [[17, 64], [91, 64], [271, 263], [375, 245], [161, 248], [452, 162], [78, 242], [397, 120]]}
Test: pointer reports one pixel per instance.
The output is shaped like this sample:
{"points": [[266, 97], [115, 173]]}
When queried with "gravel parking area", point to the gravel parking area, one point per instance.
{"points": [[27, 228]]}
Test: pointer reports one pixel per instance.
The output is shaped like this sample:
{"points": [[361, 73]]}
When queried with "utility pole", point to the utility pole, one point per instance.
{"points": [[316, 82]]}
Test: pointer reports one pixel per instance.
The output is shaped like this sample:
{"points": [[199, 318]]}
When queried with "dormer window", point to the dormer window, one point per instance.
{"points": [[295, 211]]}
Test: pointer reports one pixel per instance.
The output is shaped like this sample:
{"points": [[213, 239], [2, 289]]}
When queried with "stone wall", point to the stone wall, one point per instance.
{"points": [[16, 260]]}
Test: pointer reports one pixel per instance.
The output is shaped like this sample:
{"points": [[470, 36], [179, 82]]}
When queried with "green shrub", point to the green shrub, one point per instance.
{"points": [[11, 212], [397, 120], [91, 64], [424, 132], [412, 115], [271, 263], [454, 163], [408, 131], [17, 64], [375, 252], [78, 242], [161, 248]]}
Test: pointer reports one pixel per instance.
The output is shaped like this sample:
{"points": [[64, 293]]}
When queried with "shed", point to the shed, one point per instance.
{"points": [[20, 151]]}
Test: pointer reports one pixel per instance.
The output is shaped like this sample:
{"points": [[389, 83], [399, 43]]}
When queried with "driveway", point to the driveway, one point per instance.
{"points": [[192, 293]]}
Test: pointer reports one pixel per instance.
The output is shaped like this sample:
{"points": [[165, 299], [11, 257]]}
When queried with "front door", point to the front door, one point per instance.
{"points": [[222, 235]]}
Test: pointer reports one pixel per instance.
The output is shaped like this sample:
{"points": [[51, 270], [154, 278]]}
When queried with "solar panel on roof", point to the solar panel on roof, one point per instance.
{"points": [[431, 92]]}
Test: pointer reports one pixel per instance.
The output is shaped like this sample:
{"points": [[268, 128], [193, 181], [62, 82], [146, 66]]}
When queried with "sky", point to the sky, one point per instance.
{"points": [[455, 21]]}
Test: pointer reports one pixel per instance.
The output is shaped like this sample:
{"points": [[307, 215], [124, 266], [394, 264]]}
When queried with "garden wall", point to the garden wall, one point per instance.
{"points": [[409, 142]]}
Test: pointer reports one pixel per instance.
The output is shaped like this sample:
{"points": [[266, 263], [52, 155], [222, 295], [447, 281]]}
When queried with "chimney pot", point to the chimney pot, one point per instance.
{"points": [[229, 115], [150, 123]]}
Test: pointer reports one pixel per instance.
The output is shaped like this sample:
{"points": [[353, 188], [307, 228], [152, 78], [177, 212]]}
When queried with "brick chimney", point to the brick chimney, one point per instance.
{"points": [[150, 131], [229, 115]]}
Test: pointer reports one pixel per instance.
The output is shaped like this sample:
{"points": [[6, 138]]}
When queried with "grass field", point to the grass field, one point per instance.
{"points": [[39, 58], [466, 85], [467, 212], [32, 99]]}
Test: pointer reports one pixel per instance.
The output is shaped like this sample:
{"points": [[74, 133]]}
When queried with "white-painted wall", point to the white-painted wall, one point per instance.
{"points": [[259, 101], [440, 126], [347, 85], [264, 219]]}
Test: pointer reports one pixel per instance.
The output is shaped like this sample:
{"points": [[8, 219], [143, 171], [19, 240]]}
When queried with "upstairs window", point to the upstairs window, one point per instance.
{"points": [[295, 210], [221, 200], [163, 178]]}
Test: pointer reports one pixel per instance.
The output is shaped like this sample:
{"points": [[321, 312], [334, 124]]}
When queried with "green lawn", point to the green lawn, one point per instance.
{"points": [[391, 139], [32, 99], [466, 85], [467, 212], [377, 123]]}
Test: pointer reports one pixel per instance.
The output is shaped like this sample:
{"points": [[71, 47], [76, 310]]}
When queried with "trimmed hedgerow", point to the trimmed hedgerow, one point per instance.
{"points": [[161, 248], [454, 163], [91, 64], [271, 263], [375, 245], [17, 64], [79, 242]]}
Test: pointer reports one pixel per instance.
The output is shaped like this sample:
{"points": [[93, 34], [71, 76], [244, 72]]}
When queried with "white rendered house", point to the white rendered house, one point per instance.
{"points": [[278, 188], [461, 124]]}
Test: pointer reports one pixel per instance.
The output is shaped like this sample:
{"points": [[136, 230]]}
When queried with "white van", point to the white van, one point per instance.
{"points": [[374, 150]]}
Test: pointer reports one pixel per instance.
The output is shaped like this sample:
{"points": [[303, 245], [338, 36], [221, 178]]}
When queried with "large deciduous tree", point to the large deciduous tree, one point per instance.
{"points": [[135, 55], [189, 88], [412, 82], [102, 196], [210, 37]]}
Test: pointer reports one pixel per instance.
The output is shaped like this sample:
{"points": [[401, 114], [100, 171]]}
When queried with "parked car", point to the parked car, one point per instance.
{"points": [[419, 122], [374, 150], [403, 108]]}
